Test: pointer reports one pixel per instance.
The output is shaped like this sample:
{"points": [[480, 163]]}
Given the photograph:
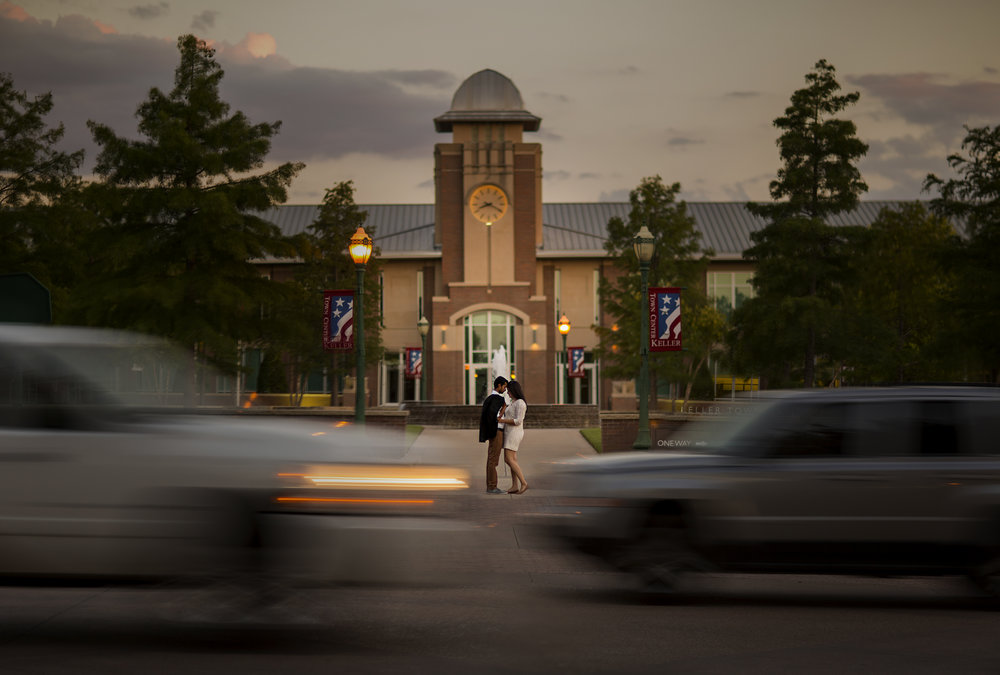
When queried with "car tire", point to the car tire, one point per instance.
{"points": [[662, 560]]}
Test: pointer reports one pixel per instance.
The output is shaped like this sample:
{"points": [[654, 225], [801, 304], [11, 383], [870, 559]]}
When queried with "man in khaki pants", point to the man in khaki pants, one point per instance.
{"points": [[491, 431]]}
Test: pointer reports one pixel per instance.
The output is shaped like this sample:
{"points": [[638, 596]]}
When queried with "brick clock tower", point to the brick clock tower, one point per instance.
{"points": [[488, 224]]}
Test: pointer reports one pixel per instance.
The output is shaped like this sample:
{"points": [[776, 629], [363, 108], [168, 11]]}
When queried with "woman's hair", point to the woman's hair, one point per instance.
{"points": [[514, 389]]}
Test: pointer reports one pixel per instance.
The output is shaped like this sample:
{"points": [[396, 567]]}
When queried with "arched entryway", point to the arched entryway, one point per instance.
{"points": [[485, 332]]}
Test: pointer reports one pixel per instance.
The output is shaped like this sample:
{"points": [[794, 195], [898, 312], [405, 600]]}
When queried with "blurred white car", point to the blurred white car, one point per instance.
{"points": [[106, 474]]}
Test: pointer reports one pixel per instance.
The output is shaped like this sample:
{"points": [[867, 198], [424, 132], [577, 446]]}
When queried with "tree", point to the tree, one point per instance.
{"points": [[678, 260], [972, 200], [800, 259], [892, 326], [181, 215], [34, 179], [326, 265]]}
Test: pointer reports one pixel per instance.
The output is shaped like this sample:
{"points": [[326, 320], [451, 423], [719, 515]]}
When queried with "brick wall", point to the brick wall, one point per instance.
{"points": [[619, 429]]}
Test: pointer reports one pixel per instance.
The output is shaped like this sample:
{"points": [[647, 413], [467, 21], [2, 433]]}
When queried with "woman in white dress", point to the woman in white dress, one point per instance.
{"points": [[513, 432]]}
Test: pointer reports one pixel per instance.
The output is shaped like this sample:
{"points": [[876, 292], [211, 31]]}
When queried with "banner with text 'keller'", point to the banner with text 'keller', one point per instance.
{"points": [[664, 319]]}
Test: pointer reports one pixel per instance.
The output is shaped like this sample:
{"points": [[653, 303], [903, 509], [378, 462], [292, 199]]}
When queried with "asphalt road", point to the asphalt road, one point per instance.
{"points": [[511, 602]]}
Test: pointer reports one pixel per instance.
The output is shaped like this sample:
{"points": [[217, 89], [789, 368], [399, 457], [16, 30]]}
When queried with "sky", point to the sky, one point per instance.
{"points": [[684, 89]]}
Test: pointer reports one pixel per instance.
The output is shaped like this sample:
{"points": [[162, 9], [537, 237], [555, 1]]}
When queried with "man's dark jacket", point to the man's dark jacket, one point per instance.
{"points": [[488, 420]]}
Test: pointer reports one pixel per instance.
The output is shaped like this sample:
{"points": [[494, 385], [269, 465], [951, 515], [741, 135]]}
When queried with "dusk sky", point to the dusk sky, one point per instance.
{"points": [[625, 89]]}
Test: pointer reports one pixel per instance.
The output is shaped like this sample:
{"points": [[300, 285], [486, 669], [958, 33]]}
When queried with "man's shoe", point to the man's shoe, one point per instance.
{"points": [[495, 491]]}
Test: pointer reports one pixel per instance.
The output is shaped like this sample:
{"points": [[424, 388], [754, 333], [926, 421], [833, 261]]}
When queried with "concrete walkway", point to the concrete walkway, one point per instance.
{"points": [[461, 448]]}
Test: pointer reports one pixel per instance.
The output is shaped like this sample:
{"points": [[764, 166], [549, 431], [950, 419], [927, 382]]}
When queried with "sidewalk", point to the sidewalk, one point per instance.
{"points": [[461, 448]]}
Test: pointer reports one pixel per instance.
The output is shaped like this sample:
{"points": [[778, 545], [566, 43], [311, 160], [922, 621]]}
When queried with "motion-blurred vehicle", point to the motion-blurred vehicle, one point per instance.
{"points": [[887, 481], [111, 471]]}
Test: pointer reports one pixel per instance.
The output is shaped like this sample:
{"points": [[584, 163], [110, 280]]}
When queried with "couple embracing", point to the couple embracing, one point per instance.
{"points": [[502, 426]]}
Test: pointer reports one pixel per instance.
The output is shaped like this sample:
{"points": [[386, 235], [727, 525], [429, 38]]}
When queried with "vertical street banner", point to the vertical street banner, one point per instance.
{"points": [[338, 321], [575, 356], [414, 363], [664, 319]]}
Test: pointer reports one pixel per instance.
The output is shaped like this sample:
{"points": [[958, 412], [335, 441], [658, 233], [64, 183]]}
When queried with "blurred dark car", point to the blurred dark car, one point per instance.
{"points": [[888, 481], [108, 472]]}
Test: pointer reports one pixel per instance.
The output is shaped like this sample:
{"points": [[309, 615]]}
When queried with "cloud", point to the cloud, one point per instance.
{"points": [[556, 175], [620, 195], [151, 11], [680, 141], [9, 10], [922, 98], [325, 113], [741, 94], [204, 21]]}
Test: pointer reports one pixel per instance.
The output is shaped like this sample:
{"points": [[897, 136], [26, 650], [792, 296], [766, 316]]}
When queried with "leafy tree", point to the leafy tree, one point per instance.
{"points": [[678, 260], [180, 211], [800, 259], [892, 321], [326, 265], [36, 179], [972, 199]]}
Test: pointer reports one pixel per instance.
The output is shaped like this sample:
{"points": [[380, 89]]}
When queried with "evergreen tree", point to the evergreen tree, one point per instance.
{"points": [[326, 265], [973, 201], [801, 261], [181, 215], [36, 180], [678, 260], [892, 327]]}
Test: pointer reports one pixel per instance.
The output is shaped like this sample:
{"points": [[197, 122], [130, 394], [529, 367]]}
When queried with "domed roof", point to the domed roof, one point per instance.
{"points": [[487, 90], [487, 96]]}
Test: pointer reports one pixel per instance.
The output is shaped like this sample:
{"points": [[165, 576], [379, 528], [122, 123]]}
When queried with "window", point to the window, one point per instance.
{"points": [[729, 289]]}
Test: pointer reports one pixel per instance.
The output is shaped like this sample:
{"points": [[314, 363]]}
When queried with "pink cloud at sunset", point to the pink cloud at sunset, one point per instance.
{"points": [[9, 10]]}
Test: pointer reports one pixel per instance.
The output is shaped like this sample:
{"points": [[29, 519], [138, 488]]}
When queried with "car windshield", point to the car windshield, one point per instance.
{"points": [[107, 369]]}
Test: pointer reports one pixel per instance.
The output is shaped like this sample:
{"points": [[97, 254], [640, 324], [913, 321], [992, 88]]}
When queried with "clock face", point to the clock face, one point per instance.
{"points": [[488, 203]]}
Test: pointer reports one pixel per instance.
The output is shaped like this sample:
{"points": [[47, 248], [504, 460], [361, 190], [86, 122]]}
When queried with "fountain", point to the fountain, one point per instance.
{"points": [[501, 368]]}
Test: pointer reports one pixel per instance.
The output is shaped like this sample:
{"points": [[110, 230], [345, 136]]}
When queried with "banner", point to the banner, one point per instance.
{"points": [[664, 319], [575, 355], [414, 363], [338, 321]]}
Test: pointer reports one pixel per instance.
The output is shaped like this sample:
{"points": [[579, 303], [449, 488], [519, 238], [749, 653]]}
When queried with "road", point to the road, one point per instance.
{"points": [[513, 602]]}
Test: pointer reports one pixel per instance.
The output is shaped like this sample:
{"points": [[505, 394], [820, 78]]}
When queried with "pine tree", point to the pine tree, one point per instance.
{"points": [[801, 261], [181, 215]]}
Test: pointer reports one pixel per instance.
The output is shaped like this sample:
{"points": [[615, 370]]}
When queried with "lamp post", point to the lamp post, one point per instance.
{"points": [[564, 329], [423, 325], [643, 245], [360, 249]]}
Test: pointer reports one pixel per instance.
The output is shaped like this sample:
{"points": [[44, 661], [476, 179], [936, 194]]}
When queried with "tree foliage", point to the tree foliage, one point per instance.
{"points": [[818, 177], [678, 260], [892, 329], [180, 215], [326, 265], [801, 261], [973, 200], [36, 182]]}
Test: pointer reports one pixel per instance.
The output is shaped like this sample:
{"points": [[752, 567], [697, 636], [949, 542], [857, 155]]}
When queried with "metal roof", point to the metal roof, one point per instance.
{"points": [[568, 229]]}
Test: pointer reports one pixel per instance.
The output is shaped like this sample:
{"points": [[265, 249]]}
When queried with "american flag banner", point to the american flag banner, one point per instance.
{"points": [[575, 355], [338, 321], [664, 319], [414, 363]]}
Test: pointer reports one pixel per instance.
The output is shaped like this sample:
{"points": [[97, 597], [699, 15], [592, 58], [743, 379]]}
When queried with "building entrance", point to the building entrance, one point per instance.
{"points": [[485, 333]]}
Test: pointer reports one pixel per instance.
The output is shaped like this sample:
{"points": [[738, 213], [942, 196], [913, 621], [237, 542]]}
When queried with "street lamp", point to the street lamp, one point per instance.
{"points": [[643, 245], [423, 325], [360, 249], [564, 329]]}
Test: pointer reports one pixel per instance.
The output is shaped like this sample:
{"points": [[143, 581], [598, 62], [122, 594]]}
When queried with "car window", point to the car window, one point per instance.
{"points": [[939, 428], [980, 424], [881, 428], [807, 430]]}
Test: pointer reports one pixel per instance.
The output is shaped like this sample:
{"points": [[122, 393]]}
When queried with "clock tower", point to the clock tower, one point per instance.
{"points": [[488, 194], [488, 226]]}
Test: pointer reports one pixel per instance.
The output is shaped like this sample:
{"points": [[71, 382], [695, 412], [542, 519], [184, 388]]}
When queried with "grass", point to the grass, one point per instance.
{"points": [[593, 436]]}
